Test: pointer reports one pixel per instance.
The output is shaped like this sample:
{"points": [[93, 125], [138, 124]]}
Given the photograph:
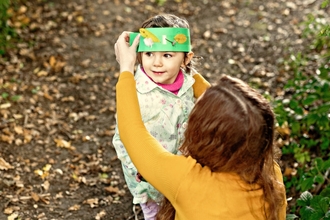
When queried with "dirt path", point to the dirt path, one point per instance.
{"points": [[56, 140]]}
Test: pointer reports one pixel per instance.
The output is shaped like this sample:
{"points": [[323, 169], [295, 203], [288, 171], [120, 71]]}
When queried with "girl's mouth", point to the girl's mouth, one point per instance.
{"points": [[157, 73]]}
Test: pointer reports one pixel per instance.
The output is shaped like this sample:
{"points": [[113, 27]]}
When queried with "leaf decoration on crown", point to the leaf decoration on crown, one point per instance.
{"points": [[149, 38], [180, 38]]}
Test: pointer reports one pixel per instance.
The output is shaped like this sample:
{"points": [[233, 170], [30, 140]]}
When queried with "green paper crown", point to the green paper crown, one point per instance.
{"points": [[163, 39]]}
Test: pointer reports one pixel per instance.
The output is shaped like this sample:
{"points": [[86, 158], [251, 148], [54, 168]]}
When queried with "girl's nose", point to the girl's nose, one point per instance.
{"points": [[158, 61]]}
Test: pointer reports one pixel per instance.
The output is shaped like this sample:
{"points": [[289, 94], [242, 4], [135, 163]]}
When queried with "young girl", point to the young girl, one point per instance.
{"points": [[166, 97], [228, 169]]}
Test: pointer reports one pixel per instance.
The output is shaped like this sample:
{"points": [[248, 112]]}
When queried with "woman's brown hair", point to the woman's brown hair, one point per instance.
{"points": [[166, 20], [231, 129]]}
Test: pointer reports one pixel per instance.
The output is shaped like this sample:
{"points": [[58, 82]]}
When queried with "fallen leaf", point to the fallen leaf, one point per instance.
{"points": [[52, 61], [44, 200], [18, 141], [22, 9], [64, 144], [7, 138], [9, 210], [47, 167], [92, 202], [74, 207], [284, 130], [42, 73], [12, 216], [59, 66], [112, 189], [6, 105], [100, 215], [85, 63], [80, 19], [18, 129], [289, 171], [47, 96], [68, 99], [46, 185], [17, 116], [4, 165], [35, 196]]}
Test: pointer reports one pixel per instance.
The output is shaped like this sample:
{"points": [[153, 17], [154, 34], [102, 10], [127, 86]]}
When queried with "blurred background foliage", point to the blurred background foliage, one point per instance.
{"points": [[303, 115]]}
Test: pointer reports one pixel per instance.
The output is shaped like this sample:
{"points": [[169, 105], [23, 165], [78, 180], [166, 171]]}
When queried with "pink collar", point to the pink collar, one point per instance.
{"points": [[175, 86]]}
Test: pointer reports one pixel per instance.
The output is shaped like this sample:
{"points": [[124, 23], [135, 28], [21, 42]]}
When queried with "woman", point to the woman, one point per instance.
{"points": [[227, 170]]}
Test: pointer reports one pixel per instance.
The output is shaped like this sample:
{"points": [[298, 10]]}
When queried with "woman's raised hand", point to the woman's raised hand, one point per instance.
{"points": [[126, 54]]}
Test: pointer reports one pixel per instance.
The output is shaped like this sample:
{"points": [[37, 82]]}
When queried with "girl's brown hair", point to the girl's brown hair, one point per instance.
{"points": [[166, 20], [231, 129]]}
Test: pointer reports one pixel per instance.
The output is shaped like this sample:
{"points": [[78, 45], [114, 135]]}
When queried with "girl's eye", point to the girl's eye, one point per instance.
{"points": [[149, 54], [167, 55]]}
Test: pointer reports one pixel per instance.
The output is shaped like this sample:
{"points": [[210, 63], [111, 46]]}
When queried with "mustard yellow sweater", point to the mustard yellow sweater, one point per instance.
{"points": [[195, 192]]}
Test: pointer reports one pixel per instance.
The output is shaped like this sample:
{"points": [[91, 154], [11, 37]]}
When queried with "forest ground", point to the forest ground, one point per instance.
{"points": [[56, 156]]}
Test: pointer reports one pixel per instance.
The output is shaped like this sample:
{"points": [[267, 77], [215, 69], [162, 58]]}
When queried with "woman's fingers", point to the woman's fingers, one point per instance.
{"points": [[136, 42], [116, 52], [124, 50]]}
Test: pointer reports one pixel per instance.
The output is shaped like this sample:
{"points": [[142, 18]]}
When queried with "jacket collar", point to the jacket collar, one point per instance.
{"points": [[145, 85]]}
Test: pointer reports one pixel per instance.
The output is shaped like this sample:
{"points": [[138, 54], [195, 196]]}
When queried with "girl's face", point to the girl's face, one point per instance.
{"points": [[162, 67]]}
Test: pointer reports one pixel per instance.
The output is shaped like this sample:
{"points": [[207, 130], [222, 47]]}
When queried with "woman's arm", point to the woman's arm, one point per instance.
{"points": [[159, 167], [279, 177], [200, 85]]}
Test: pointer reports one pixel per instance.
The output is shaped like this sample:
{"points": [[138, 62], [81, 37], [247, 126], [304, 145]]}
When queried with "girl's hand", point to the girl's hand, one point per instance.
{"points": [[125, 54], [139, 178]]}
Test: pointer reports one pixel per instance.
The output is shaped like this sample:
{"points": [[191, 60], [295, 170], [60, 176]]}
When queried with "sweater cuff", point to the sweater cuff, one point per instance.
{"points": [[200, 85]]}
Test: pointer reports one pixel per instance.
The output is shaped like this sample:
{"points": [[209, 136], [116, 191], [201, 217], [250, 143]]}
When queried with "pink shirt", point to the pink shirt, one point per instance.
{"points": [[175, 86]]}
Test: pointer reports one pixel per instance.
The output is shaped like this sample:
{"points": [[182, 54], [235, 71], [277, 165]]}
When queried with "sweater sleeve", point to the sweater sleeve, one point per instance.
{"points": [[160, 168], [122, 155], [279, 178], [200, 85]]}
